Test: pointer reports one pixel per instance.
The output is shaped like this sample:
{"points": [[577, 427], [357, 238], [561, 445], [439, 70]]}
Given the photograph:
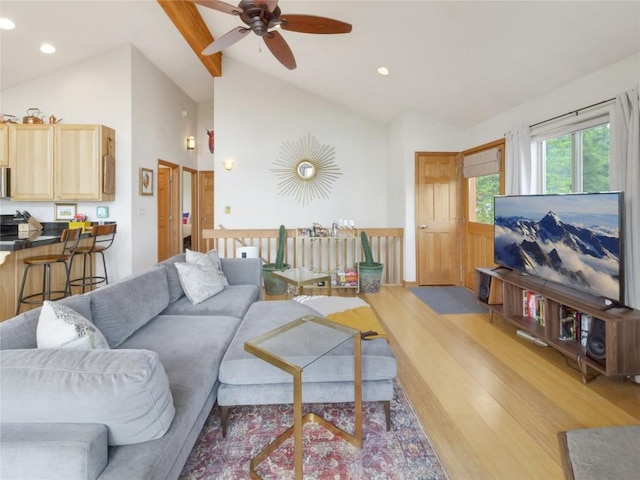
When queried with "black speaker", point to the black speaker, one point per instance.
{"points": [[596, 341], [484, 288]]}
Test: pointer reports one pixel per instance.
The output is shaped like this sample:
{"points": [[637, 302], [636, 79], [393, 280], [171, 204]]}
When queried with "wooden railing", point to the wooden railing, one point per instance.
{"points": [[386, 247]]}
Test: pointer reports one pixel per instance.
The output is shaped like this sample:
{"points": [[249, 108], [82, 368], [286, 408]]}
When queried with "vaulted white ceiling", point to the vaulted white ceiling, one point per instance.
{"points": [[458, 63]]}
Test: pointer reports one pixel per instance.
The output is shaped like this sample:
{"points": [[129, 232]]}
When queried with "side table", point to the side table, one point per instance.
{"points": [[293, 347], [300, 276]]}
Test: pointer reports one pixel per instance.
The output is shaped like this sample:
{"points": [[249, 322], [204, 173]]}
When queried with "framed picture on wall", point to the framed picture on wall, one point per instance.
{"points": [[146, 181], [65, 211], [102, 212]]}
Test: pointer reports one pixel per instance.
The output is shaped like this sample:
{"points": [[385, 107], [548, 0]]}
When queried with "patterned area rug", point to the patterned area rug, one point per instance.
{"points": [[403, 453], [449, 300]]}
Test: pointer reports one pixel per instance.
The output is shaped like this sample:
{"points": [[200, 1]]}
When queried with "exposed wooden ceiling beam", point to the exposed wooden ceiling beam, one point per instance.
{"points": [[187, 19]]}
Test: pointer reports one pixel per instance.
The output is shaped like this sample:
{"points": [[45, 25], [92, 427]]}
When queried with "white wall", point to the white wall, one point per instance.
{"points": [[411, 132], [123, 90], [593, 88], [254, 114], [163, 116], [205, 122]]}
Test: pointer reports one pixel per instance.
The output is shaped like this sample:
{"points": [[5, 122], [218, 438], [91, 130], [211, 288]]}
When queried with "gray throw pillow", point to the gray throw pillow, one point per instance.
{"points": [[200, 281]]}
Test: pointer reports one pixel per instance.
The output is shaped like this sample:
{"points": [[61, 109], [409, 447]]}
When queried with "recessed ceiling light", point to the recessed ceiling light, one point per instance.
{"points": [[47, 48], [6, 24], [383, 70]]}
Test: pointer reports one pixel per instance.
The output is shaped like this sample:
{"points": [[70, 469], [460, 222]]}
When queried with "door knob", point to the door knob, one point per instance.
{"points": [[423, 227]]}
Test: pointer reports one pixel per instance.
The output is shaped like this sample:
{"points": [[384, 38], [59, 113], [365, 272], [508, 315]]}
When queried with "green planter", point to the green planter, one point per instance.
{"points": [[370, 277], [273, 285]]}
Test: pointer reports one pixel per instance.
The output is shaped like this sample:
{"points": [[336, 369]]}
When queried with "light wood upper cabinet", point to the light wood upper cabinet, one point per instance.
{"points": [[61, 162], [84, 162], [4, 145], [31, 161]]}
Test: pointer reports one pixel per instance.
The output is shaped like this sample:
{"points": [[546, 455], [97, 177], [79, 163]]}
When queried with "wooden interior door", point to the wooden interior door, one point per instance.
{"points": [[169, 216], [164, 213], [437, 219], [205, 203]]}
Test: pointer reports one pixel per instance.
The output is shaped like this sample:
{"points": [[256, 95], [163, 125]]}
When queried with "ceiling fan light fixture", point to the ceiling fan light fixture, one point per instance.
{"points": [[47, 48], [384, 71], [6, 24]]}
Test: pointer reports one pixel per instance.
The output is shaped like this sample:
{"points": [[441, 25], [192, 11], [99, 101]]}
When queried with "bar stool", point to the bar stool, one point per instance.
{"points": [[69, 239], [101, 239]]}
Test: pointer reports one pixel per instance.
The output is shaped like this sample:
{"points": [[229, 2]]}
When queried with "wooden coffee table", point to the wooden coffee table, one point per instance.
{"points": [[300, 276]]}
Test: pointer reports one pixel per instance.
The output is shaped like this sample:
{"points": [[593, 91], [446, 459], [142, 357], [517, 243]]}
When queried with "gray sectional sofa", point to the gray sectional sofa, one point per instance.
{"points": [[135, 411]]}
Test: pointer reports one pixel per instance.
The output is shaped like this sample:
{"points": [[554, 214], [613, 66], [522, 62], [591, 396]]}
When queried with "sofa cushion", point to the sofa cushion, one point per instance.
{"points": [[175, 287], [242, 368], [121, 308], [61, 327], [53, 450], [126, 390], [233, 301], [20, 331], [199, 280]]}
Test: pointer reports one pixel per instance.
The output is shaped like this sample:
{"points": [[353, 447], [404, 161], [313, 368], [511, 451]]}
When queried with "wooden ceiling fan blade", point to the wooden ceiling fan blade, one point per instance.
{"points": [[278, 46], [228, 39], [314, 24], [220, 6]]}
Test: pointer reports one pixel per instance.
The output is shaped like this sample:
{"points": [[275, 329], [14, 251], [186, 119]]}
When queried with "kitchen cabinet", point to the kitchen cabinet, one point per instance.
{"points": [[84, 163], [62, 162], [4, 145], [31, 161]]}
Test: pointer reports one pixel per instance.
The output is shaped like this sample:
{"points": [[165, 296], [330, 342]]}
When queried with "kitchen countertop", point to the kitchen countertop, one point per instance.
{"points": [[12, 243]]}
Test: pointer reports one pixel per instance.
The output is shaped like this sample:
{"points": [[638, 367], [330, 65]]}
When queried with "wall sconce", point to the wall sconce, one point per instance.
{"points": [[228, 164], [191, 142]]}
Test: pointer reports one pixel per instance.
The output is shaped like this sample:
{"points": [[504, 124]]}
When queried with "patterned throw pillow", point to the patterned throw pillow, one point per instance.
{"points": [[61, 327], [211, 256], [199, 280]]}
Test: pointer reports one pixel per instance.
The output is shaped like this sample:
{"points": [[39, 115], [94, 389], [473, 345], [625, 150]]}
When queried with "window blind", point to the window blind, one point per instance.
{"points": [[486, 162]]}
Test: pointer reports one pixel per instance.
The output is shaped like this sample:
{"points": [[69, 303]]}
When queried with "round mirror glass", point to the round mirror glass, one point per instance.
{"points": [[306, 170]]}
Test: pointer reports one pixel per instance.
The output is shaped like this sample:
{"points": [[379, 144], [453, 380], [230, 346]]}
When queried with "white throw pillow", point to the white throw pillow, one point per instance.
{"points": [[61, 327], [199, 280], [211, 256]]}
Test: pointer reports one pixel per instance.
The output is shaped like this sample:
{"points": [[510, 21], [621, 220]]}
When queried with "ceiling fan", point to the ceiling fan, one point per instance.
{"points": [[264, 18]]}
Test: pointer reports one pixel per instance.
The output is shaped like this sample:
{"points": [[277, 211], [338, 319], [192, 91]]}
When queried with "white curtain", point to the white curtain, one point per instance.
{"points": [[521, 174], [625, 176]]}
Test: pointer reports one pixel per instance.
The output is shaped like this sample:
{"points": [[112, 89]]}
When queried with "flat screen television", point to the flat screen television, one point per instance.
{"points": [[572, 239]]}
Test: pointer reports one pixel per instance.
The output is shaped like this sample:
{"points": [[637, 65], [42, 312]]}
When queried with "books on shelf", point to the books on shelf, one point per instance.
{"points": [[533, 306], [346, 277], [574, 324]]}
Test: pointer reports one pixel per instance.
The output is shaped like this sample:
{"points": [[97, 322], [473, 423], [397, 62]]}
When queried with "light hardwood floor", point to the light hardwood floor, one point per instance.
{"points": [[491, 402]]}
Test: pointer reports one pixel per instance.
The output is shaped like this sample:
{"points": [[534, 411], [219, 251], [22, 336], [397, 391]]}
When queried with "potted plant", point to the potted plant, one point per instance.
{"points": [[273, 285], [369, 272]]}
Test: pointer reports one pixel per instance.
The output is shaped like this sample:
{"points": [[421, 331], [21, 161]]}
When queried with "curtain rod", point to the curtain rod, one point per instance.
{"points": [[573, 112]]}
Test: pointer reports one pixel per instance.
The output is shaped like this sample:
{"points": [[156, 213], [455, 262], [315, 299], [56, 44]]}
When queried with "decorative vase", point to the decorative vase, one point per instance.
{"points": [[370, 277], [273, 285]]}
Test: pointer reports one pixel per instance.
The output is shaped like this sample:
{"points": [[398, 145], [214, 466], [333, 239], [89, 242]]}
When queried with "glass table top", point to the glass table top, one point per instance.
{"points": [[301, 274], [301, 342]]}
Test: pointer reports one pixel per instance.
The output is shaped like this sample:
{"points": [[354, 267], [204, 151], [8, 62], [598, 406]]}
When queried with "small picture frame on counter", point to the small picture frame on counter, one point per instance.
{"points": [[146, 181], [65, 211]]}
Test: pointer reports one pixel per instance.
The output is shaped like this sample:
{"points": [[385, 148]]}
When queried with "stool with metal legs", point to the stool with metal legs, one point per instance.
{"points": [[69, 239], [101, 239]]}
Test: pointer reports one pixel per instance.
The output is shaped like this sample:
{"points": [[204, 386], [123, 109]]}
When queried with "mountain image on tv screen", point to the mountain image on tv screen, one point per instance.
{"points": [[571, 239]]}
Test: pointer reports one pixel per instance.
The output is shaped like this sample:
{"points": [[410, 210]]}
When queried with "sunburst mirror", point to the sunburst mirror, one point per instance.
{"points": [[305, 169]]}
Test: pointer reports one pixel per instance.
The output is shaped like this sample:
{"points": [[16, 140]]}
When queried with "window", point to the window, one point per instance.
{"points": [[578, 160], [481, 193], [482, 171]]}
